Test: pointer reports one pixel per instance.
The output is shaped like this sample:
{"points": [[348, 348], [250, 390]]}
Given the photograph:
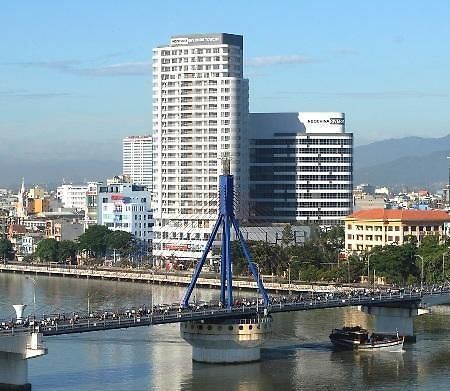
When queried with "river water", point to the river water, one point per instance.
{"points": [[298, 357]]}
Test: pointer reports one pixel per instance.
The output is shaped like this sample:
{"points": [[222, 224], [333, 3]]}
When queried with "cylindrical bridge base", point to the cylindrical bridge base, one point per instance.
{"points": [[229, 341], [13, 372]]}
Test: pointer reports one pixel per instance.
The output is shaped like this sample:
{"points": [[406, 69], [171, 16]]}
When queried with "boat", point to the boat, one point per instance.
{"points": [[358, 338]]}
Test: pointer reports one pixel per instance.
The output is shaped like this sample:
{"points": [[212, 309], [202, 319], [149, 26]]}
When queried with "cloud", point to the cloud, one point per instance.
{"points": [[278, 60], [123, 69], [376, 94], [346, 51], [32, 95], [140, 68]]}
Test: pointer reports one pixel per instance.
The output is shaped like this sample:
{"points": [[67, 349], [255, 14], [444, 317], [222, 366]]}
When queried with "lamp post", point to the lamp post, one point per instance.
{"points": [[293, 260], [443, 266], [421, 272], [368, 268], [257, 292], [34, 293]]}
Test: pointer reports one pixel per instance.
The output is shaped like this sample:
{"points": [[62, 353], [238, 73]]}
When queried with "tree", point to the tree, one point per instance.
{"points": [[67, 250], [6, 249], [94, 240], [47, 250], [396, 263], [122, 242], [287, 236]]}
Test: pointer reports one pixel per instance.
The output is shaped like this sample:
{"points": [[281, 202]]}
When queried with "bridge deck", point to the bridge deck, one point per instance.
{"points": [[87, 323]]}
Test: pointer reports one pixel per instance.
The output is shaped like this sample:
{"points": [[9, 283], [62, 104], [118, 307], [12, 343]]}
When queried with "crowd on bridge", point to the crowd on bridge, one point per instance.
{"points": [[48, 322]]}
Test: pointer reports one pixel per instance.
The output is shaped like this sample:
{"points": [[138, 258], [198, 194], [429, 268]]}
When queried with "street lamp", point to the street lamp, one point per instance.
{"points": [[368, 269], [289, 272], [34, 293], [257, 287], [443, 266], [421, 273]]}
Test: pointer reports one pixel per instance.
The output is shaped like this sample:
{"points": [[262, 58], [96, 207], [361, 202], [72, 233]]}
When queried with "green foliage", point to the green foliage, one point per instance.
{"points": [[287, 236], [123, 242], [319, 259], [94, 240], [47, 250], [6, 249], [67, 251]]}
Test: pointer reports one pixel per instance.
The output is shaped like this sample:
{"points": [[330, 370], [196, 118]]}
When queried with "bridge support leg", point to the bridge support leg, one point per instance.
{"points": [[390, 320], [227, 342], [15, 350]]}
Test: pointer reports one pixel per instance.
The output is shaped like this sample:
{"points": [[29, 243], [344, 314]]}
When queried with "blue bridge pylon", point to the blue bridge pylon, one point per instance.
{"points": [[227, 218]]}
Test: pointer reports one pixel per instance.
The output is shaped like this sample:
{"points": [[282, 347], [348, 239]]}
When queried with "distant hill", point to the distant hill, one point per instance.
{"points": [[384, 151], [52, 173], [408, 162], [404, 163]]}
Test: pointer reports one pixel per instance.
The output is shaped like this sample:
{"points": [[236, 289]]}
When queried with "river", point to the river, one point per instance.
{"points": [[298, 357]]}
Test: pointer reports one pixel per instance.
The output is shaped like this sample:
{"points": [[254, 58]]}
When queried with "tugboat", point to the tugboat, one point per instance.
{"points": [[358, 338]]}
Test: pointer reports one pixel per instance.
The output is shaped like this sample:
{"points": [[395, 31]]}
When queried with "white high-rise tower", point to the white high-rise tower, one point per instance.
{"points": [[200, 113], [137, 159]]}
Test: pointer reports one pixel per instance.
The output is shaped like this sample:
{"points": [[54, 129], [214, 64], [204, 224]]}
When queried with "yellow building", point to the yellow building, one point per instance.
{"points": [[36, 193], [37, 205], [367, 228]]}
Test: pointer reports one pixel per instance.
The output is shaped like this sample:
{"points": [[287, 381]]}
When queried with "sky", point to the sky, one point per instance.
{"points": [[75, 76]]}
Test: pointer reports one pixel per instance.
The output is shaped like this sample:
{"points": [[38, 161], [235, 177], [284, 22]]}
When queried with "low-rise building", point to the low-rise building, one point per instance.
{"points": [[63, 229], [125, 207], [368, 228]]}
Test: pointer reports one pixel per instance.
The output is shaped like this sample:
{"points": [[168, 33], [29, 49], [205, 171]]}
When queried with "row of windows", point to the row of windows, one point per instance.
{"points": [[317, 215], [412, 228], [301, 159], [306, 141], [299, 169], [293, 150], [269, 205], [259, 194], [269, 176]]}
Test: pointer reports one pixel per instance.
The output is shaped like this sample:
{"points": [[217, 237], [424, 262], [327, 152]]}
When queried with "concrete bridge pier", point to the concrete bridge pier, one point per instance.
{"points": [[227, 341], [390, 320], [15, 350]]}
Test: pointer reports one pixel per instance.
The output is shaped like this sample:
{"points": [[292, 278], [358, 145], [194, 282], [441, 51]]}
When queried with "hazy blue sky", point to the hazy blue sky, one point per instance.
{"points": [[75, 75]]}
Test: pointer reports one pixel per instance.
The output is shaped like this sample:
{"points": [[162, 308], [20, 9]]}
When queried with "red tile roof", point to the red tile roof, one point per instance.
{"points": [[400, 214]]}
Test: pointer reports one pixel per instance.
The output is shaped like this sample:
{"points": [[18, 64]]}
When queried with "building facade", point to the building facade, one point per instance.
{"points": [[126, 207], [200, 113], [137, 160], [72, 196], [367, 228], [301, 168]]}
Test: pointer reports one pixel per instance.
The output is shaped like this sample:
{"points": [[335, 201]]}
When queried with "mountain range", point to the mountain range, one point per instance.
{"points": [[404, 163]]}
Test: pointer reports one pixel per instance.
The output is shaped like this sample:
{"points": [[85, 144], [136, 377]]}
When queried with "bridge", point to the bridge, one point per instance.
{"points": [[225, 331], [69, 323]]}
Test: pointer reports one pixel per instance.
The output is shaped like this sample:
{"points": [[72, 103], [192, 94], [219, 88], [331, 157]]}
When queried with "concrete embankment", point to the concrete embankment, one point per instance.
{"points": [[157, 277]]}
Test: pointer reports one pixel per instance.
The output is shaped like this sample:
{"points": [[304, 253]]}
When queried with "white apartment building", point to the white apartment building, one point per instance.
{"points": [[126, 207], [301, 167], [72, 196], [200, 112], [137, 159]]}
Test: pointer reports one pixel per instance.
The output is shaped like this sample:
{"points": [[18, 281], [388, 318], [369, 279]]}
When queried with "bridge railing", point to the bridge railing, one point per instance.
{"points": [[85, 322]]}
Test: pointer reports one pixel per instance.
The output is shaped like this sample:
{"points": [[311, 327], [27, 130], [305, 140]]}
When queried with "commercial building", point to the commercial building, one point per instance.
{"points": [[367, 228], [200, 112], [301, 168], [126, 207], [72, 196], [137, 159]]}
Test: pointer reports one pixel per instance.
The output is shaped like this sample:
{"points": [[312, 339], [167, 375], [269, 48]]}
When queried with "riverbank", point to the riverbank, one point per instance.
{"points": [[160, 277]]}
